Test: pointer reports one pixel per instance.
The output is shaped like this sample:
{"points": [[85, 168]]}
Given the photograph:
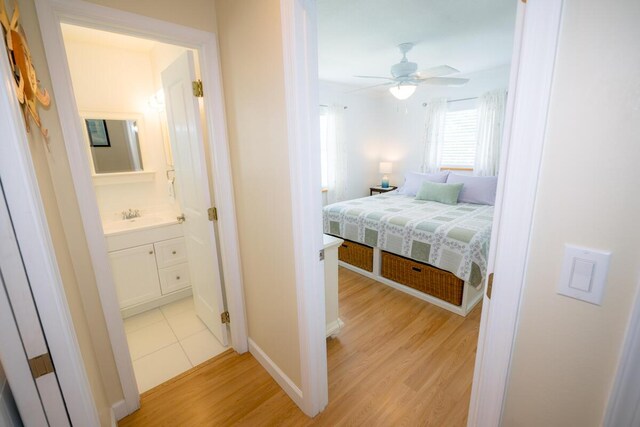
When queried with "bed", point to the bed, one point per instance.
{"points": [[434, 251]]}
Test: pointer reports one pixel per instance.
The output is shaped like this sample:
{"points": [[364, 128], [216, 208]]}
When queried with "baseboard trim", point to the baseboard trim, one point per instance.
{"points": [[158, 302], [119, 411], [281, 378]]}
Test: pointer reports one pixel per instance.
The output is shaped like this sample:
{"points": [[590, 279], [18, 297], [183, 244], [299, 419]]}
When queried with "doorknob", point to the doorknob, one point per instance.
{"points": [[181, 219]]}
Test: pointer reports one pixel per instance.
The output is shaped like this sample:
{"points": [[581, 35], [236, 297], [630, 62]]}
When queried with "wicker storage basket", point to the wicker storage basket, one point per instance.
{"points": [[422, 277], [356, 254]]}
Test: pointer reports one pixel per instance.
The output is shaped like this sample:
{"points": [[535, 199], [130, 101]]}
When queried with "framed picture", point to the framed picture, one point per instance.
{"points": [[98, 134]]}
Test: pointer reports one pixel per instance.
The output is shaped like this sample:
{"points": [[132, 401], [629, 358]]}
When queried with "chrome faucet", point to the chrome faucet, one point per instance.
{"points": [[131, 214]]}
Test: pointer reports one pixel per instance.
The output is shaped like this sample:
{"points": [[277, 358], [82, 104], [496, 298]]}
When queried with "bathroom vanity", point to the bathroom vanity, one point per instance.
{"points": [[149, 262]]}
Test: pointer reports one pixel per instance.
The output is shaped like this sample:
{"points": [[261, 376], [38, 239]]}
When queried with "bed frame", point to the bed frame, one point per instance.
{"points": [[367, 261]]}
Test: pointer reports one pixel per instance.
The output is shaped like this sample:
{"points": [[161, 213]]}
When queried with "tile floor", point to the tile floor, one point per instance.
{"points": [[166, 341]]}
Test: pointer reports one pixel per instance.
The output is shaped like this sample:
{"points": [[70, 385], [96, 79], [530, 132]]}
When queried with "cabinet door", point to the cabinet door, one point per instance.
{"points": [[135, 275]]}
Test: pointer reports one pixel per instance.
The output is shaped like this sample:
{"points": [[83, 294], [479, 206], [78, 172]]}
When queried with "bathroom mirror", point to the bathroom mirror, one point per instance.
{"points": [[114, 145]]}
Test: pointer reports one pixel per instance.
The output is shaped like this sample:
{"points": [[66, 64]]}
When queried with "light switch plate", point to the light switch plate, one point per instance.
{"points": [[584, 274]]}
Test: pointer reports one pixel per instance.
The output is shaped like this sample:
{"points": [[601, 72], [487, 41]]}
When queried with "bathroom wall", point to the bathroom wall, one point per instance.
{"points": [[111, 80]]}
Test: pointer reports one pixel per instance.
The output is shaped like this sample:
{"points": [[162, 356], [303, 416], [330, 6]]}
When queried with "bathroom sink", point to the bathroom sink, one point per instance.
{"points": [[140, 223]]}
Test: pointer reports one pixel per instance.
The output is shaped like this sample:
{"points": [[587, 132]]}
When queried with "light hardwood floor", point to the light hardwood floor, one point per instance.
{"points": [[398, 361]]}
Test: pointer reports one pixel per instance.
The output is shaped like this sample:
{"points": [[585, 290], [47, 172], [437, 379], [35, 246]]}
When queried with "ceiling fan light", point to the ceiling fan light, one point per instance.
{"points": [[402, 91]]}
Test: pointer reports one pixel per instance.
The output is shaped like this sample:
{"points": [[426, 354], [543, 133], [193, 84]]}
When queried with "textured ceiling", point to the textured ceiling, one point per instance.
{"points": [[359, 37]]}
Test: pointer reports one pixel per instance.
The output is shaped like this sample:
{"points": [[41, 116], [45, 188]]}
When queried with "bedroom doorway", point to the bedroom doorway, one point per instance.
{"points": [[519, 163], [416, 213]]}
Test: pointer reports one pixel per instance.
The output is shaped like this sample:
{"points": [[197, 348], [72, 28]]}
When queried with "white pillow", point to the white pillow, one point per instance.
{"points": [[480, 190], [413, 181]]}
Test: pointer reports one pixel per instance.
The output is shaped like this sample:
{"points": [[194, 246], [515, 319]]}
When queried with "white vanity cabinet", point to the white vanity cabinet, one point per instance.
{"points": [[149, 275], [135, 275]]}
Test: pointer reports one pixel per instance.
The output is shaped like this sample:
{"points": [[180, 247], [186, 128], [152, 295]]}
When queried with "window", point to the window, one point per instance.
{"points": [[459, 148]]}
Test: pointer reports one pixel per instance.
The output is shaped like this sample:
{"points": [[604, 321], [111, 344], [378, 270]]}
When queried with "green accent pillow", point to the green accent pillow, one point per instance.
{"points": [[443, 193]]}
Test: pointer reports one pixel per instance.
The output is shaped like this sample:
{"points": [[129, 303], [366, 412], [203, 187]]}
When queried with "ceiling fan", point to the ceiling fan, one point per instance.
{"points": [[405, 76]]}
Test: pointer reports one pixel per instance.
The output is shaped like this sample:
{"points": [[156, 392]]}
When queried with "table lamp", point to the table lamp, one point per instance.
{"points": [[385, 168]]}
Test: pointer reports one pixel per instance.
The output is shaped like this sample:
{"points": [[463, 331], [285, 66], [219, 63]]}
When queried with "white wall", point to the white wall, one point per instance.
{"points": [[9, 416], [566, 351], [380, 128], [361, 131], [118, 81]]}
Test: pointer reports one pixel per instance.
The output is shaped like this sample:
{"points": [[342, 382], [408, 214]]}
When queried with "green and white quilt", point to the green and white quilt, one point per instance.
{"points": [[454, 238]]}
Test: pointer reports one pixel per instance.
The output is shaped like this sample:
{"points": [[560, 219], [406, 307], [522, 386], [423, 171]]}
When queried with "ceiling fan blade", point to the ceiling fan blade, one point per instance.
{"points": [[374, 77], [370, 87], [441, 70], [444, 81]]}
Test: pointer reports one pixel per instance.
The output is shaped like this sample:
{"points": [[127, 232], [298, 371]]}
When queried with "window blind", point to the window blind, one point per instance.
{"points": [[459, 148]]}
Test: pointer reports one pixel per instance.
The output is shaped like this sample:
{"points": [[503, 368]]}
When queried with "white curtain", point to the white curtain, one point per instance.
{"points": [[490, 125], [434, 135], [334, 153]]}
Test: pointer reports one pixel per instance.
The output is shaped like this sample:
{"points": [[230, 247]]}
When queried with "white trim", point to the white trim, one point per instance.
{"points": [[50, 14], [536, 41], [623, 408], [30, 224], [158, 302], [298, 18], [119, 410], [278, 375]]}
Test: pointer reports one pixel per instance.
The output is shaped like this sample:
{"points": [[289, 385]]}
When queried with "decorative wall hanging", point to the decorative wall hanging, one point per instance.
{"points": [[26, 82]]}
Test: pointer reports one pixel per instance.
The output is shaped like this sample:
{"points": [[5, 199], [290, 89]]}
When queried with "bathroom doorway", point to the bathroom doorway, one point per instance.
{"points": [[139, 104]]}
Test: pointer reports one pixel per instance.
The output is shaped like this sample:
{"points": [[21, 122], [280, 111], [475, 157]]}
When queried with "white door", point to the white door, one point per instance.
{"points": [[135, 275], [193, 193], [37, 394]]}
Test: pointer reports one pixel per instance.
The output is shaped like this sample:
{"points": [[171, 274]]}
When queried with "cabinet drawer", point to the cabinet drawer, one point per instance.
{"points": [[171, 252], [174, 278]]}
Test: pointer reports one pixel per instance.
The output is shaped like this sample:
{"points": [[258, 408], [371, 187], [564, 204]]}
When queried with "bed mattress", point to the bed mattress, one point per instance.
{"points": [[454, 238]]}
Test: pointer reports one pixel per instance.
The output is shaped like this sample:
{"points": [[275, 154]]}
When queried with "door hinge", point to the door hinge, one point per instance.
{"points": [[321, 254], [197, 88], [225, 318], [213, 214], [489, 285], [41, 365]]}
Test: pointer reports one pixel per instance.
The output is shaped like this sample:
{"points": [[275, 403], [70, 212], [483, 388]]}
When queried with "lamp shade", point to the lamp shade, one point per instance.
{"points": [[386, 167], [402, 91]]}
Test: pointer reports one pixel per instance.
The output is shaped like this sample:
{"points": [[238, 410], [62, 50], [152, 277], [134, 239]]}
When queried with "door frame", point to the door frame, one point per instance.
{"points": [[535, 44], [300, 56], [51, 13], [22, 195]]}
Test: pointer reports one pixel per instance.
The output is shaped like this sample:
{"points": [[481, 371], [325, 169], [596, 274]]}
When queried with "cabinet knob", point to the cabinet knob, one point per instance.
{"points": [[150, 252], [177, 277], [173, 252]]}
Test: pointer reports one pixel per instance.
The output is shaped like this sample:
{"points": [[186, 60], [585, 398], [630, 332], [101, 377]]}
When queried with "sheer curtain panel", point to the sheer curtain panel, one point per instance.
{"points": [[334, 153], [490, 125], [434, 135]]}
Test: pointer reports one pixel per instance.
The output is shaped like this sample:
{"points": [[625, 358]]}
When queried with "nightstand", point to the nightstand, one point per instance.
{"points": [[380, 190]]}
